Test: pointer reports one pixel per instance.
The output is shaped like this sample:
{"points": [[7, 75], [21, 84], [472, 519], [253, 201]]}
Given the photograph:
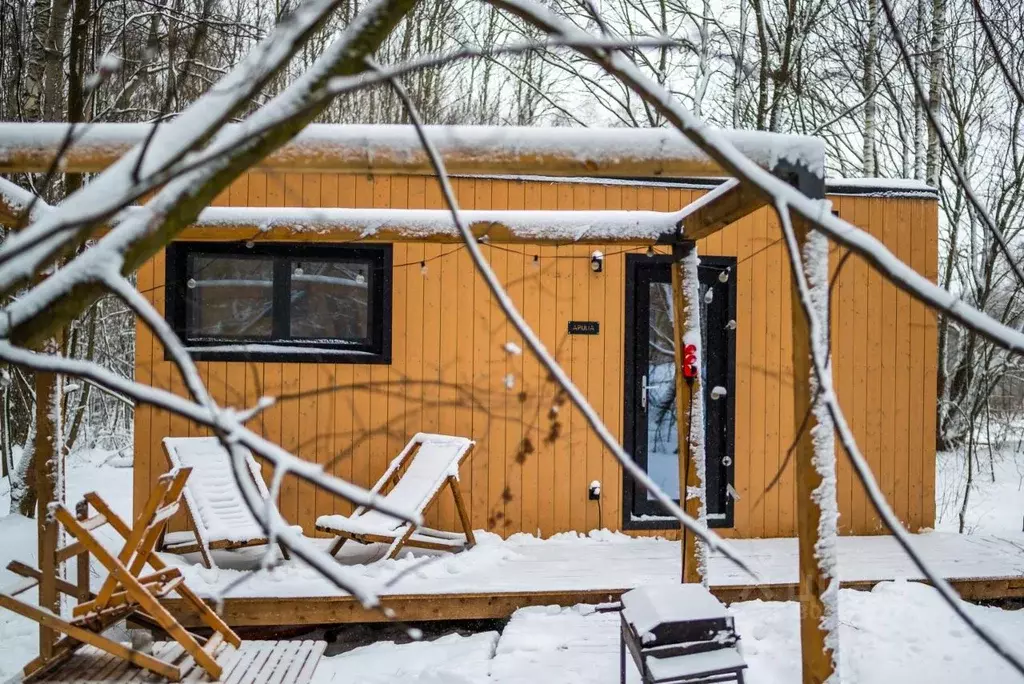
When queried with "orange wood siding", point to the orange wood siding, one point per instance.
{"points": [[532, 464]]}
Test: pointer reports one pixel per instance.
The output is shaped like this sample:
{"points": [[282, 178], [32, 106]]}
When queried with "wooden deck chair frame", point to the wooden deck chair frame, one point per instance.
{"points": [[409, 534], [125, 591], [204, 546]]}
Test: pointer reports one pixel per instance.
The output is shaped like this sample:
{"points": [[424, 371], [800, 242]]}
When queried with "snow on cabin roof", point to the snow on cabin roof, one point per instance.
{"points": [[658, 152], [880, 187], [869, 187]]}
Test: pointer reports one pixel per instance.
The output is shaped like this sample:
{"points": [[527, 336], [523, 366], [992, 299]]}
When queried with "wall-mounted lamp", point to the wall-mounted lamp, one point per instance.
{"points": [[597, 261]]}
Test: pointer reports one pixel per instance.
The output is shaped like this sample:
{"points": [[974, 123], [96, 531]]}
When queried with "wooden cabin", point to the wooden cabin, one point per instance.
{"points": [[369, 334], [429, 350]]}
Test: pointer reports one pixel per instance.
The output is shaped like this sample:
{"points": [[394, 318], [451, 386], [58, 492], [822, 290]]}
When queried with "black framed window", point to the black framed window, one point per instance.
{"points": [[281, 302]]}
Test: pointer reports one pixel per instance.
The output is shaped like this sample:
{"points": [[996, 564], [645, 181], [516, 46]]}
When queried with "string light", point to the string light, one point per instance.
{"points": [[423, 268], [536, 261], [650, 251]]}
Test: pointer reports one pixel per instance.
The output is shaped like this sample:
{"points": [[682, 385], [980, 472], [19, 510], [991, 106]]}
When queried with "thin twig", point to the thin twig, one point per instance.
{"points": [[641, 477]]}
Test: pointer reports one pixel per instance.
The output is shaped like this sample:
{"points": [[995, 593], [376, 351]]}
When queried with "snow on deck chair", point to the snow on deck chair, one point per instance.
{"points": [[413, 481], [217, 514], [126, 590]]}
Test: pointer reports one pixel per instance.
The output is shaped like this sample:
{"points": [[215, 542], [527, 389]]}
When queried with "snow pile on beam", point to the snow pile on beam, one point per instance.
{"points": [[567, 226], [467, 149], [880, 187], [815, 259]]}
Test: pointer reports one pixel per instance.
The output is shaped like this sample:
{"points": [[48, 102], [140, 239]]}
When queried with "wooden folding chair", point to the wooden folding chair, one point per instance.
{"points": [[217, 514], [413, 481], [126, 590]]}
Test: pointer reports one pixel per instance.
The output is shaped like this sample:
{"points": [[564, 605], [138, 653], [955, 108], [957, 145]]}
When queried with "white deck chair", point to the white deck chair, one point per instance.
{"points": [[217, 513], [413, 481]]}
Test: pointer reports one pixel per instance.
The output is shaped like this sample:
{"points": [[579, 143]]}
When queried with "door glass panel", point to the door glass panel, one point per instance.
{"points": [[662, 431]]}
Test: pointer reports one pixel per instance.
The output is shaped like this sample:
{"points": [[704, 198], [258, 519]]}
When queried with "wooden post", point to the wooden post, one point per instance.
{"points": [[816, 656], [82, 559], [688, 406], [49, 482]]}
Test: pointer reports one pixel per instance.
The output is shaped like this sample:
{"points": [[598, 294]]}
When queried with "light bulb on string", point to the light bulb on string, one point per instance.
{"points": [[423, 268]]}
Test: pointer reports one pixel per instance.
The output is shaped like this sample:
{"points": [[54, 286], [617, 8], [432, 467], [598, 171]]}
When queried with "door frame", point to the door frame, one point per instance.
{"points": [[632, 389]]}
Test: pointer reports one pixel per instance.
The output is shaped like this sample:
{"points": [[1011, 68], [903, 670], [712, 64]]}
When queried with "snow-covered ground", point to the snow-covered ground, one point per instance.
{"points": [[899, 632], [994, 507]]}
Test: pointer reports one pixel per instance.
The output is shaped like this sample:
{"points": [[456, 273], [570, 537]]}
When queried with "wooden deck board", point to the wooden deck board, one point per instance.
{"points": [[567, 572], [261, 662]]}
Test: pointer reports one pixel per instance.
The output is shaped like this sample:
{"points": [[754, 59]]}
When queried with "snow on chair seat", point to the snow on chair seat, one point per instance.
{"points": [[217, 513], [412, 482]]}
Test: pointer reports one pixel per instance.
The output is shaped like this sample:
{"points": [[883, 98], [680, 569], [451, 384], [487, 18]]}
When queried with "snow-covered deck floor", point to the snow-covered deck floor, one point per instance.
{"points": [[497, 577]]}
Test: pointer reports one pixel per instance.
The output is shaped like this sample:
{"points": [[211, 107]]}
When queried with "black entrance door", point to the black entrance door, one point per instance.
{"points": [[650, 425]]}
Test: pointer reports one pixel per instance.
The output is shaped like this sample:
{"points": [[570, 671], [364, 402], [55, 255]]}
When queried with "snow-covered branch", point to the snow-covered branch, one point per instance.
{"points": [[15, 201], [723, 152], [578, 399], [826, 397], [136, 172], [230, 152], [786, 199]]}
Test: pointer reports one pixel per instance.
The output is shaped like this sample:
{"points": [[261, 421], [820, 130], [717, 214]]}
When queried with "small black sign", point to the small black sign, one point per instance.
{"points": [[584, 327]]}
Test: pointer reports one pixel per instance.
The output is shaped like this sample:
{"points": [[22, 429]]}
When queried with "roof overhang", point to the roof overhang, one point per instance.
{"points": [[395, 149]]}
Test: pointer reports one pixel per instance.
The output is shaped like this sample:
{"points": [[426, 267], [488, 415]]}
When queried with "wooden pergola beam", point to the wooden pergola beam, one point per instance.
{"points": [[686, 317], [714, 211], [710, 213], [430, 225], [395, 149]]}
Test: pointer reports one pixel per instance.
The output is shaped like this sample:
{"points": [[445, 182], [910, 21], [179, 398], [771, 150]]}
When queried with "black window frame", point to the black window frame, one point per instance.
{"points": [[285, 348], [659, 520]]}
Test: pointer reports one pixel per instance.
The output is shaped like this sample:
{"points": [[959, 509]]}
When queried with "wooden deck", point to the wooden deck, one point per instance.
{"points": [[267, 662], [495, 579]]}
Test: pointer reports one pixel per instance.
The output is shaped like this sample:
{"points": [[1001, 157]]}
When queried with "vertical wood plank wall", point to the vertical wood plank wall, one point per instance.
{"points": [[535, 455]]}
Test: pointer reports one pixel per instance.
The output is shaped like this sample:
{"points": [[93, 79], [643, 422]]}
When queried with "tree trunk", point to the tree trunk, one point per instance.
{"points": [[870, 167], [970, 482], [32, 106], [762, 43], [738, 72], [23, 494], [935, 87], [53, 71], [783, 76], [919, 119], [704, 70]]}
